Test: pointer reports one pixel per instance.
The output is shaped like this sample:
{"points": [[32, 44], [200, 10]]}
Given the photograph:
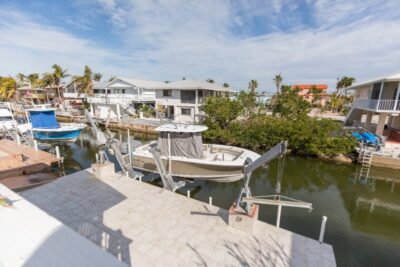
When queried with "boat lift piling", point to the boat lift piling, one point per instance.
{"points": [[247, 205]]}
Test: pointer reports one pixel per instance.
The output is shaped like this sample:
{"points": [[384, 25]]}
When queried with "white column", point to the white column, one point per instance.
{"points": [[381, 124], [397, 97], [118, 112], [91, 110], [380, 95]]}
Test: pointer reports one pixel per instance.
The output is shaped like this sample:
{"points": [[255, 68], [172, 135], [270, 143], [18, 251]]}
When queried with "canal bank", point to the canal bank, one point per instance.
{"points": [[360, 237]]}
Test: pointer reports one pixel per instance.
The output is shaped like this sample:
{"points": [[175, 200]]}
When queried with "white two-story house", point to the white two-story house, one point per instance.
{"points": [[182, 101], [379, 98], [122, 95]]}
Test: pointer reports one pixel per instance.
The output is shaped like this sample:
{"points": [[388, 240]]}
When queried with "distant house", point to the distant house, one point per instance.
{"points": [[122, 95], [38, 95], [182, 101], [305, 91], [380, 96]]}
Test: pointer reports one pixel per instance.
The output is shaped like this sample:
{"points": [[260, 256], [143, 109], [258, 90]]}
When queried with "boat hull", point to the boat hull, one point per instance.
{"points": [[65, 136], [192, 170]]}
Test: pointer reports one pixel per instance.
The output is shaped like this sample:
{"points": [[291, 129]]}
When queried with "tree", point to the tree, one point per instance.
{"points": [[220, 111], [8, 88], [183, 78], [248, 100], [316, 95], [253, 84], [97, 76], [58, 75], [47, 81], [33, 79], [226, 85], [288, 104], [209, 80], [344, 82], [21, 78], [112, 78], [278, 79], [85, 82]]}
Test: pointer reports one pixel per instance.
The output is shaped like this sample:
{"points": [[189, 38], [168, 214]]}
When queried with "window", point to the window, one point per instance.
{"points": [[186, 111], [167, 93], [188, 96]]}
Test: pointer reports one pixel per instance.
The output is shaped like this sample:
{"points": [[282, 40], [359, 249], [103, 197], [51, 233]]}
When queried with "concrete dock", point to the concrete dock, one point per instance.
{"points": [[144, 225]]}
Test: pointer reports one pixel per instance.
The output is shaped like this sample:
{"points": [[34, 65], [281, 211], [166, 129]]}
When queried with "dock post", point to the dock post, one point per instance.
{"points": [[35, 145], [278, 217], [58, 152], [210, 201], [18, 140], [188, 193], [322, 233]]}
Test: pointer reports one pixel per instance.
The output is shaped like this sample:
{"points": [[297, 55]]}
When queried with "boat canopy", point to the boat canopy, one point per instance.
{"points": [[189, 145], [181, 128], [43, 119]]}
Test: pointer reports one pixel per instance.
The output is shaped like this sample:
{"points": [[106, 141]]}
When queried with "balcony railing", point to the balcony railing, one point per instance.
{"points": [[74, 95], [119, 99], [378, 105]]}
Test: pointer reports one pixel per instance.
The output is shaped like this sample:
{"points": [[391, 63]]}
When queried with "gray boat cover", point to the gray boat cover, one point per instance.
{"points": [[188, 145]]}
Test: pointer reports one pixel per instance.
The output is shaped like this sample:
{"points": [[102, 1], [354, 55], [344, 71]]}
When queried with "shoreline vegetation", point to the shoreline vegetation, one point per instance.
{"points": [[244, 122]]}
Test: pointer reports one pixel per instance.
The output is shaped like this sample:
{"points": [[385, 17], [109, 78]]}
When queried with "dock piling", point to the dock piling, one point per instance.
{"points": [[35, 145], [322, 233], [18, 140], [188, 193], [58, 152], [210, 201]]}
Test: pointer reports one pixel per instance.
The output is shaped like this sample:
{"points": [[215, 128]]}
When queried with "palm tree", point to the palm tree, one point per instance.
{"points": [[253, 84], [226, 85], [58, 75], [97, 76], [21, 78], [47, 82], [209, 80], [278, 79], [85, 82], [112, 78], [343, 83], [8, 88], [33, 79]]}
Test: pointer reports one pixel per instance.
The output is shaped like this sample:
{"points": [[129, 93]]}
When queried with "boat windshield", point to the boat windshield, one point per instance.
{"points": [[6, 118]]}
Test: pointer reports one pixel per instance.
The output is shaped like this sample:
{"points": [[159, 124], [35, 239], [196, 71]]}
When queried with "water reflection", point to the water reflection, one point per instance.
{"points": [[363, 214]]}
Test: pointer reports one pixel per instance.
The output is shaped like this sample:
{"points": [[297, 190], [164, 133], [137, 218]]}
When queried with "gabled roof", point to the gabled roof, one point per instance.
{"points": [[137, 82], [393, 77], [99, 85], [310, 86], [192, 85]]}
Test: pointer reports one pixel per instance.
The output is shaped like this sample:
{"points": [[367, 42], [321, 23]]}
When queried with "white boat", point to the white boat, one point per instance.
{"points": [[184, 155], [8, 122]]}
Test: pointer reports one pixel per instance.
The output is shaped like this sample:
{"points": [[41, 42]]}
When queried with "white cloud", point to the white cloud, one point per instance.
{"points": [[166, 40]]}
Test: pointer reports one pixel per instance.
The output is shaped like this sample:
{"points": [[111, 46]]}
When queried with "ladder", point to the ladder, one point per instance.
{"points": [[365, 159]]}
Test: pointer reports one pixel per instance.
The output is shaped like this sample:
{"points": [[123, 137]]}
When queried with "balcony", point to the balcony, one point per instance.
{"points": [[378, 105], [114, 99], [74, 95]]}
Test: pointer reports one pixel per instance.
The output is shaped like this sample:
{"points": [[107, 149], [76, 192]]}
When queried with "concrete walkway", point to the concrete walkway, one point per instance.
{"points": [[143, 225]]}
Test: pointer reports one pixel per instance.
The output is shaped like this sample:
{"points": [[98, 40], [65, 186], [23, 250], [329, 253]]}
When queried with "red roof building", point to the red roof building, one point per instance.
{"points": [[305, 92]]}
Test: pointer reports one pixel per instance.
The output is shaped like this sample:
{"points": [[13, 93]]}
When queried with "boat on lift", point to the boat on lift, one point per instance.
{"points": [[184, 155], [45, 127], [8, 122]]}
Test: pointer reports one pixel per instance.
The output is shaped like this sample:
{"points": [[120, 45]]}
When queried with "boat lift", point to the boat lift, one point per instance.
{"points": [[246, 202]]}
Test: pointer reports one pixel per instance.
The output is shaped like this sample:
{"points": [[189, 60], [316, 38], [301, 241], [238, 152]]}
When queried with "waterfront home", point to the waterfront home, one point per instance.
{"points": [[38, 95], [122, 95], [305, 91], [72, 95], [377, 98], [182, 101]]}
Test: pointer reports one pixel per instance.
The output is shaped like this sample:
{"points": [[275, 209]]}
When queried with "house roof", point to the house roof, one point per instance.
{"points": [[99, 85], [393, 77], [192, 85], [310, 86], [137, 82]]}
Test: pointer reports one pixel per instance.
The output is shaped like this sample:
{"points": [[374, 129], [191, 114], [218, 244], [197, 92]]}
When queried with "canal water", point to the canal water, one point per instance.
{"points": [[363, 214]]}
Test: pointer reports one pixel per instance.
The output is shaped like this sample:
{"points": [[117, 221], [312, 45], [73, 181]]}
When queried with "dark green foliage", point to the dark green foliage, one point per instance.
{"points": [[288, 104], [259, 132]]}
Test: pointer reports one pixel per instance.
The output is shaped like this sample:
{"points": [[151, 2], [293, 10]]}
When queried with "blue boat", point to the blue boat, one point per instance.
{"points": [[45, 127]]}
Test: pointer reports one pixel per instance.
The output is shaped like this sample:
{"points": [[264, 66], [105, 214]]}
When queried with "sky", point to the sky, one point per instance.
{"points": [[229, 41]]}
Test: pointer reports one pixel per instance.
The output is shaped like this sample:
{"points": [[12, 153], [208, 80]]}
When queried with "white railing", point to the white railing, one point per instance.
{"points": [[74, 95], [119, 99], [377, 105]]}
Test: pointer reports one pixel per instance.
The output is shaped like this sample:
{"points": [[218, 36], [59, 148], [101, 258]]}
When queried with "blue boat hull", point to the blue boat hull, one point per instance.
{"points": [[69, 136]]}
